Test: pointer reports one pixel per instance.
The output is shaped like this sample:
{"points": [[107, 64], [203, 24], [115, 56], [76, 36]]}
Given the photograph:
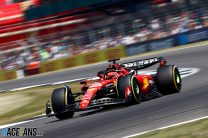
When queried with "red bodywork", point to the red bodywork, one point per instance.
{"points": [[111, 78]]}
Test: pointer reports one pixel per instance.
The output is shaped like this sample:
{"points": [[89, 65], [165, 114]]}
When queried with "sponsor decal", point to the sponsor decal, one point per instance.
{"points": [[70, 62], [112, 73], [141, 62], [91, 57], [137, 48], [90, 92], [50, 66], [87, 97], [161, 44], [91, 89], [128, 92], [193, 36], [196, 36], [151, 45], [96, 84], [110, 84], [145, 82], [114, 52]]}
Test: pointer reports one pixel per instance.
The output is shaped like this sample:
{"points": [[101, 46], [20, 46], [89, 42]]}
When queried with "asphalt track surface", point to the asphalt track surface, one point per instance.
{"points": [[191, 103]]}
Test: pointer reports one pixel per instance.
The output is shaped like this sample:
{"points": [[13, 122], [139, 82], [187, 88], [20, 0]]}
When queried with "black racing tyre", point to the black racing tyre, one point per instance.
{"points": [[61, 98], [125, 81], [168, 79]]}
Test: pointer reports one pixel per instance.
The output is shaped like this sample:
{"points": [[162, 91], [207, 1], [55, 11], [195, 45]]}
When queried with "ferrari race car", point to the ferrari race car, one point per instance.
{"points": [[119, 84]]}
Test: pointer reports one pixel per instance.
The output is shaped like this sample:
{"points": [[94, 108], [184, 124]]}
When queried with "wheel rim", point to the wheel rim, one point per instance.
{"points": [[177, 79], [136, 87], [135, 90]]}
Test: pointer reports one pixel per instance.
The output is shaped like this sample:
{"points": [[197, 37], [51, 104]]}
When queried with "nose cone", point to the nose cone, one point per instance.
{"points": [[87, 97], [84, 104]]}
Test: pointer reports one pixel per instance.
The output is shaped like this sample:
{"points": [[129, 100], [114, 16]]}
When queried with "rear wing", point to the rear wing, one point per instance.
{"points": [[144, 63]]}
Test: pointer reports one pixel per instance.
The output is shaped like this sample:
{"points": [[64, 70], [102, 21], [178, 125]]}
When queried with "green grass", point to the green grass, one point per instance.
{"points": [[31, 102], [197, 129]]}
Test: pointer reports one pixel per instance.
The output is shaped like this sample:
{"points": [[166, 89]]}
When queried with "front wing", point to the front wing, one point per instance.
{"points": [[97, 103]]}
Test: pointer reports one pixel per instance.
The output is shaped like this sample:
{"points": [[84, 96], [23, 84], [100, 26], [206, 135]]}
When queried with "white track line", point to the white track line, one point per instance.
{"points": [[149, 72], [173, 125], [48, 84], [18, 123]]}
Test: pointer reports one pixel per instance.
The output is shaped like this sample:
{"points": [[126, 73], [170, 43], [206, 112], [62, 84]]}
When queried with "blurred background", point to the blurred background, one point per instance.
{"points": [[38, 36]]}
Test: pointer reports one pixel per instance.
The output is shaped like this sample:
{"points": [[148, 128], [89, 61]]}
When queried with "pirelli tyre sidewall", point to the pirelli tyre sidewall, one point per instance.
{"points": [[168, 79], [128, 81], [61, 98]]}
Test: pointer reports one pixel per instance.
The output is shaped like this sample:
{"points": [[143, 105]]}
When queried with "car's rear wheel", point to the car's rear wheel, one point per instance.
{"points": [[168, 79], [128, 89], [61, 98]]}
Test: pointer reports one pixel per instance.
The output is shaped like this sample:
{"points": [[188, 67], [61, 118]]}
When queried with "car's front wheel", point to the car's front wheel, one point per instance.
{"points": [[128, 89], [61, 98]]}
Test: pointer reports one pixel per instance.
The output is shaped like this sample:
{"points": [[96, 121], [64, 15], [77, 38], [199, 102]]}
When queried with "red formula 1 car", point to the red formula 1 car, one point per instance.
{"points": [[118, 84]]}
